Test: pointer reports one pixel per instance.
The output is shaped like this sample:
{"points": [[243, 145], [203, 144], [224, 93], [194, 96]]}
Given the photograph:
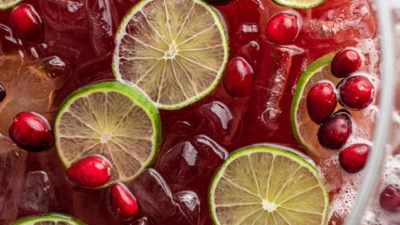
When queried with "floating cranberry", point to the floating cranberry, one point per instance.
{"points": [[31, 131], [321, 101], [91, 171], [283, 28], [353, 158], [238, 80], [123, 203], [356, 92], [345, 62], [335, 131], [27, 23], [390, 199], [2, 93]]}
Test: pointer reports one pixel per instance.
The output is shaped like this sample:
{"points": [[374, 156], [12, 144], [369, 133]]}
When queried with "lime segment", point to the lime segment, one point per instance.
{"points": [[175, 51], [111, 119], [264, 184], [300, 4], [49, 218], [5, 4]]}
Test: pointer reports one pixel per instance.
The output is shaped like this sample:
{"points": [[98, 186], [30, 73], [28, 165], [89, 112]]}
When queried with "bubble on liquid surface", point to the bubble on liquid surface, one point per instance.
{"points": [[12, 167], [37, 194], [154, 195]]}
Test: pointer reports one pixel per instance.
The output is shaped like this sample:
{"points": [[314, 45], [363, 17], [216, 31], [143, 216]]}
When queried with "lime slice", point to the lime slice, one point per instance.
{"points": [[299, 4], [175, 51], [48, 218], [304, 129], [111, 119], [5, 4], [264, 184]]}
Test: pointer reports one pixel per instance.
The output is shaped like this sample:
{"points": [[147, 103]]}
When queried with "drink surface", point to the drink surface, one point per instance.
{"points": [[77, 50]]}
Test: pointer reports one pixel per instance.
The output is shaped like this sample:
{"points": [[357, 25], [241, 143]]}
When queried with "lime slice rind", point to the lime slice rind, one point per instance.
{"points": [[300, 4], [124, 155], [8, 4], [315, 67], [278, 188], [55, 218], [172, 74]]}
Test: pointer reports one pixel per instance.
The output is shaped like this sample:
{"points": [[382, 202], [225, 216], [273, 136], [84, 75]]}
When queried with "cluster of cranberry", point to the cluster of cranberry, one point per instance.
{"points": [[354, 92]]}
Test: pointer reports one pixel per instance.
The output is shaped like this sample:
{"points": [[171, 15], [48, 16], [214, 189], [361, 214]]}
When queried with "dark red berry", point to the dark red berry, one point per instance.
{"points": [[2, 93], [283, 28], [345, 62], [238, 80], [321, 101], [356, 92], [123, 204], [353, 158], [390, 199], [31, 131], [27, 23], [91, 171], [335, 131]]}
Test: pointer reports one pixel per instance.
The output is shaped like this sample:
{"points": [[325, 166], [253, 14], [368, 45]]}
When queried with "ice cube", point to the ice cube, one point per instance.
{"points": [[37, 194], [141, 221], [339, 22], [30, 86], [103, 24], [191, 160], [12, 167], [220, 121], [189, 206], [153, 195], [62, 15]]}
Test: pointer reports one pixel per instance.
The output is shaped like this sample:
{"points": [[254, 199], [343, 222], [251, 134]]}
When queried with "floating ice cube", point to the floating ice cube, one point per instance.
{"points": [[37, 194], [189, 206], [12, 167], [153, 195]]}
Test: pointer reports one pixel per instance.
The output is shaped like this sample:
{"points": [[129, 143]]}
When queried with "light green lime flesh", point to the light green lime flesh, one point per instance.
{"points": [[175, 51], [6, 4], [46, 219], [265, 184], [111, 119], [300, 4]]}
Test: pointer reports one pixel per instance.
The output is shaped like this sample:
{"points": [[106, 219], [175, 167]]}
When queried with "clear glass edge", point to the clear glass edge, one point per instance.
{"points": [[382, 128]]}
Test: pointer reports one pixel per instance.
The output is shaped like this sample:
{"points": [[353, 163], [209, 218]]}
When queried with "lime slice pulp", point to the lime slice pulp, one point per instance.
{"points": [[266, 184], [175, 51], [48, 218], [300, 4], [111, 119]]}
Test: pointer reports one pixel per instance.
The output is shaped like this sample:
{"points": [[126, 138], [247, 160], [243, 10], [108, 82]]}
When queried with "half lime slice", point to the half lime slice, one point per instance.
{"points": [[111, 119], [175, 51], [267, 184], [48, 218]]}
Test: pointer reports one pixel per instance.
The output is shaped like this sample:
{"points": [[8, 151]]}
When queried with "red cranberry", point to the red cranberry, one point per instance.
{"points": [[27, 23], [283, 28], [390, 199], [345, 62], [238, 80], [2, 93], [123, 203], [335, 131], [356, 92], [91, 171], [353, 158], [321, 101], [31, 131]]}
